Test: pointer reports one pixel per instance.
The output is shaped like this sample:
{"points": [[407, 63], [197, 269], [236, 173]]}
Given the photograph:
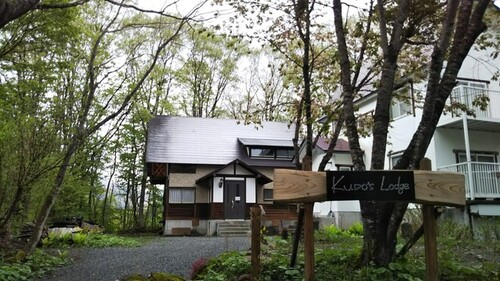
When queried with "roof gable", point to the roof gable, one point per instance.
{"points": [[261, 178]]}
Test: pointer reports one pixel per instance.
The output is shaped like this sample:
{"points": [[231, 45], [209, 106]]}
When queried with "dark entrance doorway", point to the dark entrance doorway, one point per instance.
{"points": [[234, 199]]}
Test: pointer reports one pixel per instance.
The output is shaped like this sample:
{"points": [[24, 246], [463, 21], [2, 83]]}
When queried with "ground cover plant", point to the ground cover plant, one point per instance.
{"points": [[337, 254], [93, 240], [17, 265], [20, 267]]}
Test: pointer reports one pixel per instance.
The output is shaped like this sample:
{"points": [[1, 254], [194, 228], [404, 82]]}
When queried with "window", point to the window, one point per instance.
{"points": [[365, 123], [394, 158], [268, 194], [181, 195], [280, 153], [401, 104], [477, 156], [283, 153], [262, 152], [472, 83], [473, 95], [341, 167]]}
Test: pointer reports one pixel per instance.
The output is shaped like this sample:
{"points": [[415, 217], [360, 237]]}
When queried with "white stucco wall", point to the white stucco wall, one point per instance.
{"points": [[480, 65], [251, 195], [218, 193], [446, 140]]}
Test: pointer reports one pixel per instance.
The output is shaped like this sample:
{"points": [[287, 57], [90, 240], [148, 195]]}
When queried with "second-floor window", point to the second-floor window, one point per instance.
{"points": [[272, 153], [401, 104]]}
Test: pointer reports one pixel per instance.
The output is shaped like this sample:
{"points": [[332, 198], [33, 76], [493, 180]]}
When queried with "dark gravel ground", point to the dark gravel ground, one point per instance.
{"points": [[162, 254]]}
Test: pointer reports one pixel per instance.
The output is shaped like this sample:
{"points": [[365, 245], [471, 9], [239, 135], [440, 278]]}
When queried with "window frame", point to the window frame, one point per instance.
{"points": [[394, 158], [475, 154], [344, 167], [405, 106], [273, 149], [264, 194], [183, 190]]}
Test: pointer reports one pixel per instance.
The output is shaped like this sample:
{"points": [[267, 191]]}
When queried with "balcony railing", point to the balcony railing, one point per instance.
{"points": [[485, 179], [469, 96]]}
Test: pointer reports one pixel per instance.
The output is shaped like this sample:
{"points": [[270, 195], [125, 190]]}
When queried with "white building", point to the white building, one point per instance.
{"points": [[461, 143]]}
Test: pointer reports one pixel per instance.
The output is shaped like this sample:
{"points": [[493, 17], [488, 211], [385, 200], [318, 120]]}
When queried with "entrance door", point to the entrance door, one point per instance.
{"points": [[234, 199]]}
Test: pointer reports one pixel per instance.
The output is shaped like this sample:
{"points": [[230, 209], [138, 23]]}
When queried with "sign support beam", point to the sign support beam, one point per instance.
{"points": [[431, 260]]}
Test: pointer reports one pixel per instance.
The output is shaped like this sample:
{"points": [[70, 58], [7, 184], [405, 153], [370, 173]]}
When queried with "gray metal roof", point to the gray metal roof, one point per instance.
{"points": [[193, 140]]}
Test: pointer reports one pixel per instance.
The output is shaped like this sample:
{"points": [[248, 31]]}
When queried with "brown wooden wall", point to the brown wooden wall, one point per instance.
{"points": [[216, 211], [280, 212]]}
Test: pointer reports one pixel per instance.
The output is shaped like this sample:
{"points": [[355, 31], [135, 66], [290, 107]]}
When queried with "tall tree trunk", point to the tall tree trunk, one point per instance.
{"points": [[381, 220], [148, 209], [125, 209], [141, 220], [111, 175], [42, 216], [153, 208]]}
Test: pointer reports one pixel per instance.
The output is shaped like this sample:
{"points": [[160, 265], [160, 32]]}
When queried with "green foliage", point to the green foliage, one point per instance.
{"points": [[275, 262], [225, 266], [93, 240], [36, 265], [454, 231], [338, 251], [356, 229], [333, 232]]}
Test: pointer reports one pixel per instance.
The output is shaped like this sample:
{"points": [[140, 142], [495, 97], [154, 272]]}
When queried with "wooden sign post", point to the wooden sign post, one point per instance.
{"points": [[255, 215], [424, 187]]}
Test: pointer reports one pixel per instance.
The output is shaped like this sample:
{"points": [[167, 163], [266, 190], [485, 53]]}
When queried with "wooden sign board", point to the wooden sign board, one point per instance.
{"points": [[426, 187], [376, 185]]}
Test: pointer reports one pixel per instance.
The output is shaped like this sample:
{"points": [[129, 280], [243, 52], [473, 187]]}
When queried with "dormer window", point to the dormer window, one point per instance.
{"points": [[272, 149], [261, 152], [276, 153]]}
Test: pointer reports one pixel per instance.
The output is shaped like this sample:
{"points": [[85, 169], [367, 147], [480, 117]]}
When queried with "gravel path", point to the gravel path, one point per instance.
{"points": [[163, 254]]}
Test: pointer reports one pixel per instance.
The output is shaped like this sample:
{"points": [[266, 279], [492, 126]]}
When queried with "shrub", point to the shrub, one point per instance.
{"points": [[95, 240], [198, 266], [34, 266], [225, 267], [356, 229]]}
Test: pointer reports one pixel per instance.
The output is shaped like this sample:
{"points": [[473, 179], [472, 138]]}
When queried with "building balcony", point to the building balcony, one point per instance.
{"points": [[483, 180], [486, 118]]}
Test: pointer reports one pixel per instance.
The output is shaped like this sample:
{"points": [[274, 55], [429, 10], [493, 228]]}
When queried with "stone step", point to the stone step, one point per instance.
{"points": [[233, 228]]}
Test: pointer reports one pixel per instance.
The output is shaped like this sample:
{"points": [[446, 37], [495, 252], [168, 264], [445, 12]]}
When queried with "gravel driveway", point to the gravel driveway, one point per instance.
{"points": [[163, 254]]}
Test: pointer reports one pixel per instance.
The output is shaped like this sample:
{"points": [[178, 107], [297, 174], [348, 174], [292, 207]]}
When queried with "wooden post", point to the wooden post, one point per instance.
{"points": [[166, 199], [306, 166], [429, 233], [308, 229], [296, 236], [255, 214], [308, 242]]}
